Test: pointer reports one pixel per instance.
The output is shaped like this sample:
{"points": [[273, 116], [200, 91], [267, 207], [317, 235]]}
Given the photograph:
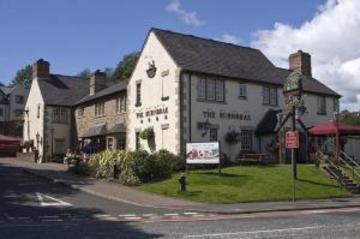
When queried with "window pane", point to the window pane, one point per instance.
{"points": [[201, 89], [242, 90], [219, 90], [246, 139], [210, 89], [266, 95], [273, 96]]}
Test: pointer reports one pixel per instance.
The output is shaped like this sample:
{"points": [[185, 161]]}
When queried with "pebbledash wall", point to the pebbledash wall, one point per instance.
{"points": [[169, 104]]}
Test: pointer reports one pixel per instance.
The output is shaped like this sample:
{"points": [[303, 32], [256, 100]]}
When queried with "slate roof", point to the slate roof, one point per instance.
{"points": [[63, 90], [6, 90], [105, 92], [196, 54]]}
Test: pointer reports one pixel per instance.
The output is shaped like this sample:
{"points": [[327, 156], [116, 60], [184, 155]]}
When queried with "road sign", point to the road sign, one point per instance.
{"points": [[292, 140]]}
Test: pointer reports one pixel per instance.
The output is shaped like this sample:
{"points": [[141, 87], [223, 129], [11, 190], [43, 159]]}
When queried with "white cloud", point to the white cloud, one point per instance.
{"points": [[188, 17], [331, 37], [226, 37]]}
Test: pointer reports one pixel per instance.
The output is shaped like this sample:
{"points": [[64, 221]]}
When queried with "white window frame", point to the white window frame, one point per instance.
{"points": [[242, 91], [321, 105]]}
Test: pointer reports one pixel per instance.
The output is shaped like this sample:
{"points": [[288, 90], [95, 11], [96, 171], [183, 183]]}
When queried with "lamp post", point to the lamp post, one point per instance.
{"points": [[337, 137], [37, 140], [52, 141], [37, 147]]}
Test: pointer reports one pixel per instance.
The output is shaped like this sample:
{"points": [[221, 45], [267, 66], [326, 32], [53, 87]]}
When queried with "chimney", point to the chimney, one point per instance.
{"points": [[301, 62], [41, 69], [97, 82]]}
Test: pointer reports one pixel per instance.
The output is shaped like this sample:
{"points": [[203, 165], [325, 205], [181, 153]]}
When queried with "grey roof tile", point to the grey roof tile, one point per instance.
{"points": [[63, 90], [105, 92], [208, 56]]}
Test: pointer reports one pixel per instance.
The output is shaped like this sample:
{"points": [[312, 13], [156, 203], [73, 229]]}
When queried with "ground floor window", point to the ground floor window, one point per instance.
{"points": [[246, 139], [110, 143], [213, 134], [137, 140], [121, 142], [59, 146]]}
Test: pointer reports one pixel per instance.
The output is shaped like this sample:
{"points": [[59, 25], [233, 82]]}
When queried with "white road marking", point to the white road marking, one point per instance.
{"points": [[127, 215], [52, 220], [106, 217], [132, 218], [255, 232], [190, 213], [57, 203]]}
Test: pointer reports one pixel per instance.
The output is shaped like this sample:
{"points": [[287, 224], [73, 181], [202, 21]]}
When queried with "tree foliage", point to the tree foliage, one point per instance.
{"points": [[126, 66], [22, 74], [84, 73], [351, 118]]}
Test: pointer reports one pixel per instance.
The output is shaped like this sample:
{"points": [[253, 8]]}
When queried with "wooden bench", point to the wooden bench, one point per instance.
{"points": [[253, 157]]}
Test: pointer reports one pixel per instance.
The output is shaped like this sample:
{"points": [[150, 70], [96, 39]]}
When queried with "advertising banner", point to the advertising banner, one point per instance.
{"points": [[202, 153]]}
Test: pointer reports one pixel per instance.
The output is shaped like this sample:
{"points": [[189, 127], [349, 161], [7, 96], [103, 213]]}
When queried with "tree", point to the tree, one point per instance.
{"points": [[126, 66], [351, 118], [22, 75], [84, 73]]}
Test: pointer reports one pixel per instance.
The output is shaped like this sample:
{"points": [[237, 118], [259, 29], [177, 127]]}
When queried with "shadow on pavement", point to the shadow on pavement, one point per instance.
{"points": [[22, 214]]}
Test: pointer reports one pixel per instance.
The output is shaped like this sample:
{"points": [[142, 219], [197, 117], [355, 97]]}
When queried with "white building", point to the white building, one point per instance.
{"points": [[191, 89], [49, 121], [12, 104]]}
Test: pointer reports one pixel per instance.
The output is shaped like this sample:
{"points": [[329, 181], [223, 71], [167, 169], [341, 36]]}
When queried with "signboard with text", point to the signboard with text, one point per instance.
{"points": [[203, 153], [292, 140]]}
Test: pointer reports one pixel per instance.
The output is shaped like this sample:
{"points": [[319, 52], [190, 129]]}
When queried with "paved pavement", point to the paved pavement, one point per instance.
{"points": [[113, 191]]}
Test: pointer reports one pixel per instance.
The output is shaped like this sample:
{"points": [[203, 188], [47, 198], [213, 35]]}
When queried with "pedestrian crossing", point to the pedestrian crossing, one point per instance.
{"points": [[69, 217]]}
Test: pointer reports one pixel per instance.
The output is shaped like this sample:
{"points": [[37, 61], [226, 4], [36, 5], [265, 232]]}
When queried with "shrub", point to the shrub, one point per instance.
{"points": [[147, 133], [176, 163]]}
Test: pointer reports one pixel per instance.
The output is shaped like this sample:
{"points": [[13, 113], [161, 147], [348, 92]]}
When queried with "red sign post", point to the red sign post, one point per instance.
{"points": [[292, 140]]}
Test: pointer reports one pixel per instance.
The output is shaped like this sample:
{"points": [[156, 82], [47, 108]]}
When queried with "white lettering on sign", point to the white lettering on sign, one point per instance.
{"points": [[227, 115]]}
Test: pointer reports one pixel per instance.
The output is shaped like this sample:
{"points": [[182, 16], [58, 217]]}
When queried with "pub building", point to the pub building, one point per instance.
{"points": [[190, 89]]}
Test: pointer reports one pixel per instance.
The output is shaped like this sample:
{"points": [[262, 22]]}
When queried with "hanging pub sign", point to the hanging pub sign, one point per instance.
{"points": [[293, 90], [151, 71]]}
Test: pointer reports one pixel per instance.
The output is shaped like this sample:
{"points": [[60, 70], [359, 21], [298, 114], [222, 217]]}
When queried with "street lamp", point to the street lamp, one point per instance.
{"points": [[37, 140], [52, 141], [337, 137]]}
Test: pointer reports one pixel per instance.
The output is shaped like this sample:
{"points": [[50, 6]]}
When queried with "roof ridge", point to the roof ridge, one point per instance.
{"points": [[205, 39], [80, 77]]}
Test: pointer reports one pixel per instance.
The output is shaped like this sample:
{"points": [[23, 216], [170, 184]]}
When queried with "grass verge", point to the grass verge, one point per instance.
{"points": [[249, 183]]}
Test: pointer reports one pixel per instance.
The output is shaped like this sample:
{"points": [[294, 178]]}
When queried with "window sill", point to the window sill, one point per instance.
{"points": [[57, 122], [242, 97], [99, 116], [212, 101]]}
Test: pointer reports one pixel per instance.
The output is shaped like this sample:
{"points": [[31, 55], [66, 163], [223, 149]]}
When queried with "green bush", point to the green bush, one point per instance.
{"points": [[133, 168], [175, 162]]}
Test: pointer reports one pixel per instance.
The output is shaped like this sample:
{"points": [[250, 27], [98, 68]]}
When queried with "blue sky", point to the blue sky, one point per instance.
{"points": [[78, 34]]}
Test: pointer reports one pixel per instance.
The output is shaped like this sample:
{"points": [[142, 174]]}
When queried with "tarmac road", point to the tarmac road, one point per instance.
{"points": [[32, 207]]}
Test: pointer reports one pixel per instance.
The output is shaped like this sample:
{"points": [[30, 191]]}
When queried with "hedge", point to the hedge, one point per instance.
{"points": [[132, 167]]}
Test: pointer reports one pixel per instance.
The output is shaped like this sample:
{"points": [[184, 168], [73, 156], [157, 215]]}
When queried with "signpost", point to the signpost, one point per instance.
{"points": [[293, 100]]}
